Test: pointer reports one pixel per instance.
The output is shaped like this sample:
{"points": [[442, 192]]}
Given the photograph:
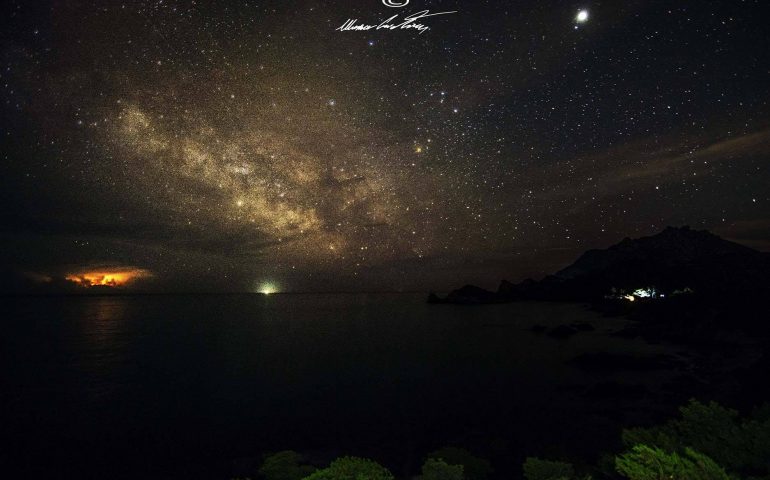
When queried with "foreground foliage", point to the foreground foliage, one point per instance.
{"points": [[438, 469], [537, 469], [285, 465], [352, 468], [707, 442], [646, 463], [474, 468], [739, 445]]}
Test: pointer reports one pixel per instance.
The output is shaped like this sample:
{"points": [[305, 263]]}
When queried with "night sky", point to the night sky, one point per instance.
{"points": [[226, 146]]}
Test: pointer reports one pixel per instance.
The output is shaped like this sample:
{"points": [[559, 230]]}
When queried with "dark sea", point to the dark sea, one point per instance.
{"points": [[199, 386]]}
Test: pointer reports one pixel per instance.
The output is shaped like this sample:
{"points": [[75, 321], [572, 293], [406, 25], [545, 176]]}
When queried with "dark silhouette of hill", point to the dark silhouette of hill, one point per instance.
{"points": [[673, 260]]}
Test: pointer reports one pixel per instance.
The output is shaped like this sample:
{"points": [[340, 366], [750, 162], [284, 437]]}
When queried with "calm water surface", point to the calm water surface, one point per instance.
{"points": [[195, 386]]}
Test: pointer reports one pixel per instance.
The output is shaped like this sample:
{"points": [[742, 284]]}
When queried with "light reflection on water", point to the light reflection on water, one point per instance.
{"points": [[102, 344]]}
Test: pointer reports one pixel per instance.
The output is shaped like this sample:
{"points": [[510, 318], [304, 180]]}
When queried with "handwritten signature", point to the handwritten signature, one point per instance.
{"points": [[409, 22]]}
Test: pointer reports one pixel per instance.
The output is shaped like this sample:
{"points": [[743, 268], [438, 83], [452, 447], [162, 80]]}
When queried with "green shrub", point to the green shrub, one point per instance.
{"points": [[474, 468], [536, 469], [352, 468], [715, 431], [284, 465], [649, 463], [438, 469]]}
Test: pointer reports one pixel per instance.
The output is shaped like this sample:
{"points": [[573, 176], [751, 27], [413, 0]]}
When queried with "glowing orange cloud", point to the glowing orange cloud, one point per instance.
{"points": [[116, 277]]}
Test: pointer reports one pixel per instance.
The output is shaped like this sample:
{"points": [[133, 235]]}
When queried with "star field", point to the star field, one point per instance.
{"points": [[224, 146]]}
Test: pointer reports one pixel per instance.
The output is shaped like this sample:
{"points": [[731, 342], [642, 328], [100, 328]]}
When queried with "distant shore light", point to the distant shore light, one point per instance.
{"points": [[267, 288]]}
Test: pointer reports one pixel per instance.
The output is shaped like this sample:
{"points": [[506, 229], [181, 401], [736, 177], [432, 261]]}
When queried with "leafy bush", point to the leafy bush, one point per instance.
{"points": [[536, 469], [474, 468], [646, 463], [438, 469], [715, 431], [352, 468], [284, 465]]}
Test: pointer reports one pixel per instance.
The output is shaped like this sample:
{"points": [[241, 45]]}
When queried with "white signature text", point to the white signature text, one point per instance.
{"points": [[409, 22]]}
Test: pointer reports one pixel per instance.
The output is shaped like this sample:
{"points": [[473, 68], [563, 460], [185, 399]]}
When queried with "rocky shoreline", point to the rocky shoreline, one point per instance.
{"points": [[679, 287]]}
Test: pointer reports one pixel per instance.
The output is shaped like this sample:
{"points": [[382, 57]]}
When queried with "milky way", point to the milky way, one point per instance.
{"points": [[222, 147]]}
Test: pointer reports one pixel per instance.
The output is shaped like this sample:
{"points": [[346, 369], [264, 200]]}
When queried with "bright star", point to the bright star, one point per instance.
{"points": [[582, 16]]}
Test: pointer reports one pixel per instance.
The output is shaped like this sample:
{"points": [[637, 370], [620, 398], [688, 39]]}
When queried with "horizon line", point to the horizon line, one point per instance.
{"points": [[209, 293]]}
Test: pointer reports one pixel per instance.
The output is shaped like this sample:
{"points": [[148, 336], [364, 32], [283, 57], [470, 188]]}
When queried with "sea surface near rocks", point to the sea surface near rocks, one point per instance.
{"points": [[183, 386]]}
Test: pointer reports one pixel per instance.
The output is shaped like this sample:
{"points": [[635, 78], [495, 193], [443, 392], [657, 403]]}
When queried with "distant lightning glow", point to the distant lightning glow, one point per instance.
{"points": [[114, 277]]}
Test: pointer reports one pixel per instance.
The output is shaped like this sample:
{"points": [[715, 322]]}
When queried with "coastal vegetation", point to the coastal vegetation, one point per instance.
{"points": [[706, 442]]}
